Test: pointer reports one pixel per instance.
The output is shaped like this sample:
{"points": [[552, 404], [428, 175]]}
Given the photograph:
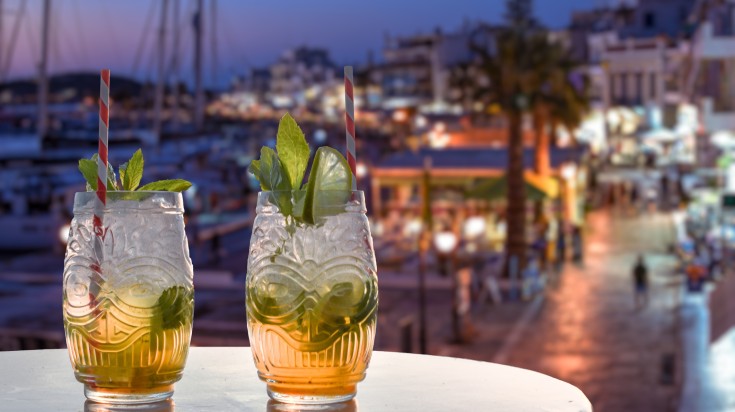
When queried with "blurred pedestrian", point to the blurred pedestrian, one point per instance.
{"points": [[640, 281], [634, 197], [561, 246], [577, 250], [716, 259], [665, 189]]}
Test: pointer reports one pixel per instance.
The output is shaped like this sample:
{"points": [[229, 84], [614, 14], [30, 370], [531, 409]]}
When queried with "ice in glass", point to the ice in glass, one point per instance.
{"points": [[312, 287], [128, 306], [312, 296]]}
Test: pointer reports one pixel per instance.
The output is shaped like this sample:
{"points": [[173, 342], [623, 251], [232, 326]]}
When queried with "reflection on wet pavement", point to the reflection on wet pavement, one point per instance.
{"points": [[589, 332]]}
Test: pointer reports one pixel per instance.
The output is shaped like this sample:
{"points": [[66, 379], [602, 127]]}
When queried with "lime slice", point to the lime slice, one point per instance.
{"points": [[329, 185]]}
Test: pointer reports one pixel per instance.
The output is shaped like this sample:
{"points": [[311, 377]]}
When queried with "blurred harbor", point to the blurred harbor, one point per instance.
{"points": [[519, 236]]}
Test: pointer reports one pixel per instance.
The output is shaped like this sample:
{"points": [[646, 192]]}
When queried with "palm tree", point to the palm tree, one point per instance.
{"points": [[504, 78], [559, 100]]}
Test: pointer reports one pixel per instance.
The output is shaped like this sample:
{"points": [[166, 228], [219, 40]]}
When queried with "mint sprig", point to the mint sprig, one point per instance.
{"points": [[88, 167], [282, 173], [270, 172], [172, 185], [131, 173], [175, 306], [292, 150]]}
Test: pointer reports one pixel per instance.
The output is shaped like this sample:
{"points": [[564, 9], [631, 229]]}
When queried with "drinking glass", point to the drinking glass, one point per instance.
{"points": [[312, 298], [128, 301]]}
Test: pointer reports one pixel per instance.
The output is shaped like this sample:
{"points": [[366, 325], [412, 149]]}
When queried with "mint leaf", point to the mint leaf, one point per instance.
{"points": [[88, 167], [255, 168], [89, 171], [121, 172], [111, 177], [176, 307], [292, 150], [173, 185], [272, 174], [133, 171], [272, 177]]}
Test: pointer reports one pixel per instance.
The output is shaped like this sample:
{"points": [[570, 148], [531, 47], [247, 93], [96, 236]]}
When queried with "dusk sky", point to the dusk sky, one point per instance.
{"points": [[93, 34]]}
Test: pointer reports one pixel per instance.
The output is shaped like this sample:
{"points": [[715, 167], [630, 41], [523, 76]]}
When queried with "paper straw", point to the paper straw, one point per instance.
{"points": [[102, 158], [350, 125]]}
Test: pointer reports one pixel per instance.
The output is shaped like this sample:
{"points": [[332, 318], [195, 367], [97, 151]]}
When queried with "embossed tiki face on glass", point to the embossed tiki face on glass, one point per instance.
{"points": [[128, 307], [312, 298]]}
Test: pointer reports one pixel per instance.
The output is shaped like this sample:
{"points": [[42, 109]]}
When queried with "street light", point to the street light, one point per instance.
{"points": [[445, 242], [400, 116], [474, 227], [361, 170], [412, 228], [568, 171], [438, 136]]}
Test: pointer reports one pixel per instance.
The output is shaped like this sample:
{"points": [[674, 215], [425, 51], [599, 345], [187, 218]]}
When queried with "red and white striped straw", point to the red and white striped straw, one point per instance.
{"points": [[350, 124], [102, 153]]}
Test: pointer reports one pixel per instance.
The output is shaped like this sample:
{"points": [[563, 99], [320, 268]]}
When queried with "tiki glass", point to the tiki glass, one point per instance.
{"points": [[312, 299], [128, 304]]}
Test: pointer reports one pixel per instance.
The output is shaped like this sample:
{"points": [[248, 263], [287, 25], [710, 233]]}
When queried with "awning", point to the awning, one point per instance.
{"points": [[660, 135], [537, 188]]}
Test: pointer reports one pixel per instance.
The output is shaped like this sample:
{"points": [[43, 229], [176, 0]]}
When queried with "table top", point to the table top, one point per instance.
{"points": [[224, 379]]}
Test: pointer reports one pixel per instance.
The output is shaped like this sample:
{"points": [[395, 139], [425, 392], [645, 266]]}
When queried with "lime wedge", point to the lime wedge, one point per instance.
{"points": [[329, 185]]}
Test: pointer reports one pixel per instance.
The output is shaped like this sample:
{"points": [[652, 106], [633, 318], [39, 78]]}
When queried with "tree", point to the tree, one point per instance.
{"points": [[519, 15], [559, 97], [503, 79], [518, 70]]}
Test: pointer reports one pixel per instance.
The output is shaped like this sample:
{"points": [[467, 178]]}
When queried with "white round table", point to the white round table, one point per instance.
{"points": [[224, 379]]}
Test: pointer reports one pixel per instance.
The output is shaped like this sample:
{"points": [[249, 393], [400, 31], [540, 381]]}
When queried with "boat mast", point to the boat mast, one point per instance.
{"points": [[43, 72], [161, 77], [8, 57], [199, 92], [175, 68], [213, 31], [2, 47]]}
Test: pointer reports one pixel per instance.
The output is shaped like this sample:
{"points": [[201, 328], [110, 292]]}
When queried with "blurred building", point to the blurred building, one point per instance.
{"points": [[416, 68], [259, 82], [638, 59], [300, 75], [709, 80], [657, 18], [634, 56], [645, 73]]}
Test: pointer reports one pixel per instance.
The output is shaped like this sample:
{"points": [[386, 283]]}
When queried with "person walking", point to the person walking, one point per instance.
{"points": [[634, 197], [640, 280], [577, 247]]}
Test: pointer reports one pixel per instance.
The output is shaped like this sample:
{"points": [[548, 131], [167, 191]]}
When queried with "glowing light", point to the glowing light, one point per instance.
{"points": [[320, 136], [445, 242], [361, 170], [568, 171], [421, 121], [474, 227], [438, 136], [376, 228], [400, 116], [412, 228], [64, 234], [723, 139]]}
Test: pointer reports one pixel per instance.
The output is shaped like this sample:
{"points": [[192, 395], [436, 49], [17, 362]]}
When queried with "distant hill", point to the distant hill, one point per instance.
{"points": [[73, 87]]}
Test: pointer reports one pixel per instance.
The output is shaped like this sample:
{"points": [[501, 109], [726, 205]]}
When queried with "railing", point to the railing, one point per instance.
{"points": [[21, 339]]}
